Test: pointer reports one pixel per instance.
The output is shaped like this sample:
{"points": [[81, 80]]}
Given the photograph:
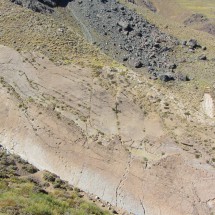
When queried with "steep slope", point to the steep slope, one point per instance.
{"points": [[54, 118], [141, 145]]}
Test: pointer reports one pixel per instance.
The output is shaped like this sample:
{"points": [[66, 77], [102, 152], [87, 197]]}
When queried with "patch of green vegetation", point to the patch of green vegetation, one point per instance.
{"points": [[26, 196], [18, 196]]}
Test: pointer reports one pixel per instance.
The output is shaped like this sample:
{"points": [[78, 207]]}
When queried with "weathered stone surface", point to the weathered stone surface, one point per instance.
{"points": [[97, 133]]}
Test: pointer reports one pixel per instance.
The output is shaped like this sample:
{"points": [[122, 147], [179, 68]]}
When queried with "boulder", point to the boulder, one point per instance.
{"points": [[182, 77], [192, 43], [125, 25], [171, 66], [202, 57], [166, 77], [138, 64]]}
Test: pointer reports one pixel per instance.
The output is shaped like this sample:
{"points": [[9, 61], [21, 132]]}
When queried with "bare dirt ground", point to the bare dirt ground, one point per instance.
{"points": [[87, 127]]}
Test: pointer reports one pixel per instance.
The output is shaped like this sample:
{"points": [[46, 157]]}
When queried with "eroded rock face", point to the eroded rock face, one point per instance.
{"points": [[90, 130]]}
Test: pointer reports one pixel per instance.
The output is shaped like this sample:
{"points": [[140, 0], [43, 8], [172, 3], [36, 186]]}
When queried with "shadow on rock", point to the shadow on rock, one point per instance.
{"points": [[64, 3]]}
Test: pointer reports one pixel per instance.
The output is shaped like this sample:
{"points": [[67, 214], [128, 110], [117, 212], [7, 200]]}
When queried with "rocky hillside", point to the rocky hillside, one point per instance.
{"points": [[74, 103], [131, 39], [127, 36]]}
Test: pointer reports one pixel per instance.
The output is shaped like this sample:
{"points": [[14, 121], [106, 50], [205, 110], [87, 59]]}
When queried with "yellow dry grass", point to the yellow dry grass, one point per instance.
{"points": [[56, 36]]}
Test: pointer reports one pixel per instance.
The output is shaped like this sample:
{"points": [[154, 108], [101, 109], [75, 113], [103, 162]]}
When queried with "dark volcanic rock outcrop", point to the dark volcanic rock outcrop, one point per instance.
{"points": [[121, 33], [127, 36], [38, 5]]}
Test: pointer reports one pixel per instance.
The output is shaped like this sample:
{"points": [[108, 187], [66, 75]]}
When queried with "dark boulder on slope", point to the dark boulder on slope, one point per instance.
{"points": [[43, 6], [167, 77]]}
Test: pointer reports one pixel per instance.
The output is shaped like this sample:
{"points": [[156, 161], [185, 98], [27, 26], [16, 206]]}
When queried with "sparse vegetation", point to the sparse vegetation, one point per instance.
{"points": [[25, 196]]}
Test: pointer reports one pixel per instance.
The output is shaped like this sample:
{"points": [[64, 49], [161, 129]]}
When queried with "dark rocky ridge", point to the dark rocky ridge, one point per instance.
{"points": [[128, 37], [39, 5]]}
